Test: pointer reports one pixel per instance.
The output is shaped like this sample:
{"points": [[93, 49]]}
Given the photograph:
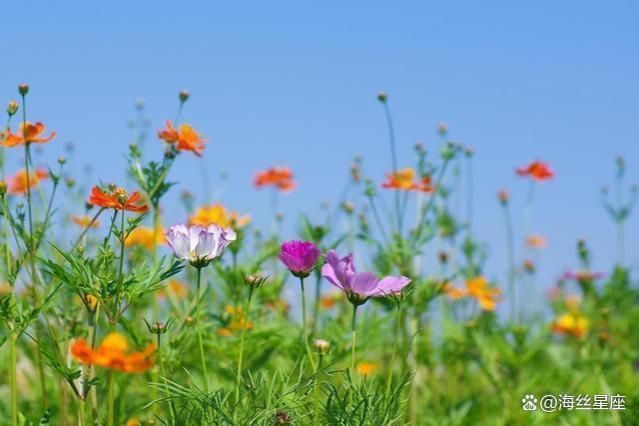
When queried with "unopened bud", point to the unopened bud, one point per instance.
{"points": [[23, 88], [3, 188], [12, 108], [62, 160], [382, 97], [348, 207], [255, 280], [321, 346], [503, 196], [442, 129], [184, 96]]}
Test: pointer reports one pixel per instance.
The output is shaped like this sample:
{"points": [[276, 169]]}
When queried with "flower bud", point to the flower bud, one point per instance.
{"points": [[12, 108], [23, 88], [348, 207], [503, 196], [62, 160], [382, 97], [442, 129], [139, 104], [184, 96], [255, 280], [3, 188], [321, 346]]}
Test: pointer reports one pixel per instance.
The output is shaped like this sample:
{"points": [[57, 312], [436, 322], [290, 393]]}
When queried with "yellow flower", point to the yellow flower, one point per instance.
{"points": [[218, 215], [92, 302], [572, 323], [366, 368], [133, 422], [235, 321], [143, 236]]}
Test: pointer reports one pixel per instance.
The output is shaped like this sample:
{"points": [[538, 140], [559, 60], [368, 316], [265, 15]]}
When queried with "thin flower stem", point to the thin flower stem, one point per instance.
{"points": [[393, 150], [304, 334], [318, 372], [389, 380], [13, 380], [199, 331], [318, 295], [111, 400], [353, 338], [86, 229], [241, 355]]}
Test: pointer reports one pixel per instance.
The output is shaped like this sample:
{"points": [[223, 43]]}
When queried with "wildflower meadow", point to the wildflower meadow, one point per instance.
{"points": [[379, 313]]}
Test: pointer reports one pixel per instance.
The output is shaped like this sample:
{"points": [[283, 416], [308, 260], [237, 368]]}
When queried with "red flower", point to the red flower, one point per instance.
{"points": [[537, 170], [280, 177], [118, 200]]}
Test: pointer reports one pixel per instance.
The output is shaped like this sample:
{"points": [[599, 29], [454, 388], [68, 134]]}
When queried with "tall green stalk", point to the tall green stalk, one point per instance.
{"points": [[241, 355], [304, 332], [398, 323], [353, 337], [199, 331]]}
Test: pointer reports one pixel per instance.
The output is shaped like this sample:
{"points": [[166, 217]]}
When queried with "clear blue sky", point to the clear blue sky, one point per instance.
{"points": [[294, 83]]}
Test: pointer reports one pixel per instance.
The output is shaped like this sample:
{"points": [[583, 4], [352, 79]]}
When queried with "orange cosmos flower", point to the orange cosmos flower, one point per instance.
{"points": [[143, 236], [280, 177], [536, 241], [536, 170], [85, 221], [186, 139], [118, 200], [236, 322], [366, 368], [17, 184], [218, 215], [28, 133], [478, 289], [404, 180], [112, 353]]}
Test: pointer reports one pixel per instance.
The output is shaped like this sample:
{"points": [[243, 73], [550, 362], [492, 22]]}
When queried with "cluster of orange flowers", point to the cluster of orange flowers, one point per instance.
{"points": [[404, 180], [279, 177], [478, 289], [113, 353], [144, 236]]}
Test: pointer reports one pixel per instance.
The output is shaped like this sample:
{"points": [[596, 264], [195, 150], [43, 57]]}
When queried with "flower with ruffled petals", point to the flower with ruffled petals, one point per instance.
{"points": [[359, 286], [198, 244], [537, 170], [279, 177], [186, 139], [299, 257], [29, 133], [218, 215], [17, 184], [118, 200], [113, 353]]}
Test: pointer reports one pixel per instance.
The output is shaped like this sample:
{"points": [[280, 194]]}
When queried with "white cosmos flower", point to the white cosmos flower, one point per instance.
{"points": [[199, 244]]}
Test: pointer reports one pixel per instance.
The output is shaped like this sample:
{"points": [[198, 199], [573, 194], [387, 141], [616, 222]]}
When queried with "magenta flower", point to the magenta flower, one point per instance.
{"points": [[299, 257], [583, 275], [199, 244], [359, 286]]}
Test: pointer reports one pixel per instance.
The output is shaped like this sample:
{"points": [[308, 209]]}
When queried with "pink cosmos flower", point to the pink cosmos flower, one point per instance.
{"points": [[583, 275], [359, 286], [198, 244], [299, 257]]}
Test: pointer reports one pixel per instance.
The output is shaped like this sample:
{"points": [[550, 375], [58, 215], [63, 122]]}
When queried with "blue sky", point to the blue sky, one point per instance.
{"points": [[294, 83]]}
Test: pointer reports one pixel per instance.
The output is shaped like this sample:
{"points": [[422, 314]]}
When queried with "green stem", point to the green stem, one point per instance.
{"points": [[111, 400], [304, 334], [318, 372], [199, 331], [13, 380], [353, 337], [241, 355], [511, 263], [389, 380]]}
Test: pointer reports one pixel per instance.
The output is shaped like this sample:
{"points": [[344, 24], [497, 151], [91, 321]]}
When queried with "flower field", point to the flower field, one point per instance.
{"points": [[380, 313]]}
